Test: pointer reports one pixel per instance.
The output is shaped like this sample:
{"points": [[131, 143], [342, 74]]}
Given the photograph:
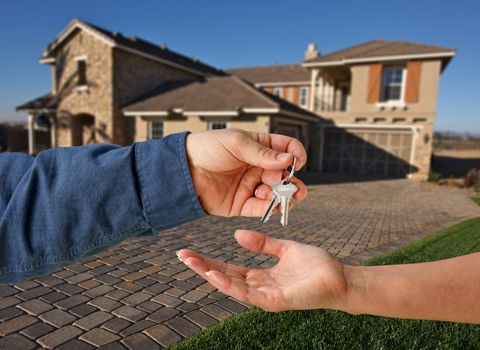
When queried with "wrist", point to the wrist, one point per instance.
{"points": [[355, 292], [197, 174]]}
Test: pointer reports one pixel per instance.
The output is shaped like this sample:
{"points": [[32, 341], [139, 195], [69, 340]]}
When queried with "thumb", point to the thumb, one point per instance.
{"points": [[259, 243], [264, 157]]}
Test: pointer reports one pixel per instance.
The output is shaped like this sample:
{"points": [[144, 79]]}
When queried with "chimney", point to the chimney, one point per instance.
{"points": [[311, 52]]}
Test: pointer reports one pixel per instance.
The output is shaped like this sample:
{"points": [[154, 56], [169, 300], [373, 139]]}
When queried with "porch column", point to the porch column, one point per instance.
{"points": [[31, 133], [313, 85], [53, 131], [321, 97]]}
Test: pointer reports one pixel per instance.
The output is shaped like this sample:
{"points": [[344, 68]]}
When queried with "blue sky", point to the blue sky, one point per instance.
{"points": [[248, 33]]}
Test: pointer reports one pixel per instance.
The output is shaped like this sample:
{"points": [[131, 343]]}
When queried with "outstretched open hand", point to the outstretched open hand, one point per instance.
{"points": [[233, 170], [305, 277]]}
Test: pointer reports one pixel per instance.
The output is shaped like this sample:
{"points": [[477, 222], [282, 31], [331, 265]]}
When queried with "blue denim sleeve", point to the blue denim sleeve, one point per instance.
{"points": [[67, 203]]}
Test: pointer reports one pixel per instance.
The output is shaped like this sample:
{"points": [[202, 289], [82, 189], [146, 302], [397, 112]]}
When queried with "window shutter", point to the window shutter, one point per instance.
{"points": [[374, 83], [295, 95], [269, 89], [414, 69]]}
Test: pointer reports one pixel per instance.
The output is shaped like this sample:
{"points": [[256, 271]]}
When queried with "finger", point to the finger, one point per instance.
{"points": [[211, 264], [255, 207], [286, 144], [261, 155], [264, 192], [237, 288], [260, 243], [302, 189], [233, 287]]}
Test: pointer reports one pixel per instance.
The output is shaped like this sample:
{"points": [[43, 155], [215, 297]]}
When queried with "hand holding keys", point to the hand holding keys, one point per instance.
{"points": [[282, 194]]}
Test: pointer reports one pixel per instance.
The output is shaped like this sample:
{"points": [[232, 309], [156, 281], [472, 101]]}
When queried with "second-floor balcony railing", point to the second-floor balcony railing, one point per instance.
{"points": [[338, 103]]}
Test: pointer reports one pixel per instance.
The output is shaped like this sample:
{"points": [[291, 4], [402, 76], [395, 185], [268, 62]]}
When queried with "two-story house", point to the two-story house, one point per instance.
{"points": [[110, 88], [368, 109], [377, 103]]}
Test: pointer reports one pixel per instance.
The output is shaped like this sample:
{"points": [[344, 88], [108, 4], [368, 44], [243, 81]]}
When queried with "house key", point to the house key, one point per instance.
{"points": [[282, 194]]}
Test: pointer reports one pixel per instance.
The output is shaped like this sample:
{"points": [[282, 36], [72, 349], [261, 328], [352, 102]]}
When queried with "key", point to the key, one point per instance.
{"points": [[273, 204], [285, 192]]}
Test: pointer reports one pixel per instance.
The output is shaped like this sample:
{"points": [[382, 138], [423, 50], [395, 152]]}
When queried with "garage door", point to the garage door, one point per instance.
{"points": [[371, 152]]}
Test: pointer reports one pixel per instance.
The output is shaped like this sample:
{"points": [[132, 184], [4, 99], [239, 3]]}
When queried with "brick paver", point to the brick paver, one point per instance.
{"points": [[137, 295]]}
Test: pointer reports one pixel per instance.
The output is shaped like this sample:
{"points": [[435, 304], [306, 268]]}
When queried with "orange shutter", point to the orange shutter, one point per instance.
{"points": [[374, 83], [413, 81], [295, 95], [269, 89]]}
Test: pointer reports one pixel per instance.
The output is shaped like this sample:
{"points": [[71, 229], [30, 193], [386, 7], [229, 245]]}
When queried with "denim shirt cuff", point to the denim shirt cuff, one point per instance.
{"points": [[166, 187]]}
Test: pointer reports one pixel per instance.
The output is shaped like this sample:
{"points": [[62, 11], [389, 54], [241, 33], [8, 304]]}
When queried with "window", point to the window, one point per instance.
{"points": [[303, 96], [82, 72], [217, 125], [277, 92], [156, 129], [392, 89]]}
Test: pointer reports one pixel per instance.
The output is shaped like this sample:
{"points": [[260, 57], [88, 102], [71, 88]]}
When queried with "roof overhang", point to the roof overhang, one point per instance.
{"points": [[283, 83], [347, 61], [233, 113], [206, 113]]}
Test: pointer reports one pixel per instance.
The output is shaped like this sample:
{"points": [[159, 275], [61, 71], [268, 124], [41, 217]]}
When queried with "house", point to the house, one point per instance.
{"points": [[368, 109]]}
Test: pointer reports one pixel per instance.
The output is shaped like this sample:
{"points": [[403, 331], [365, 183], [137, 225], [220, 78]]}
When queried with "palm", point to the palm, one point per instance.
{"points": [[305, 277], [227, 181]]}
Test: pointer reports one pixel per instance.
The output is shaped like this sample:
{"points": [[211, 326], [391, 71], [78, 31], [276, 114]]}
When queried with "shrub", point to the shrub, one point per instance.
{"points": [[433, 176], [472, 179]]}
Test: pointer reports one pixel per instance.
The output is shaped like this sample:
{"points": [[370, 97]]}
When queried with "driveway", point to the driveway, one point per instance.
{"points": [[137, 295]]}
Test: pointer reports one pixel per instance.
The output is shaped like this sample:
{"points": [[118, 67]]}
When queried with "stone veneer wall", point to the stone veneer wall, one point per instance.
{"points": [[97, 100]]}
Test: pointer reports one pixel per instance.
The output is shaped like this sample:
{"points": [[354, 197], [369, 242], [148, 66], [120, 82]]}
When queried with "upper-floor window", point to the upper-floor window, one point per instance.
{"points": [[156, 129], [81, 71], [217, 125], [277, 91], [303, 96], [393, 81]]}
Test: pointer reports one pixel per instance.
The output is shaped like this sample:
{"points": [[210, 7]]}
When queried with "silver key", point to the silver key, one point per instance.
{"points": [[273, 204], [285, 192]]}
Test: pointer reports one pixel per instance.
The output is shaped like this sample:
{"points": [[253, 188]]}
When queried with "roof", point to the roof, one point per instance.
{"points": [[228, 95], [135, 45], [273, 74], [47, 101], [377, 49]]}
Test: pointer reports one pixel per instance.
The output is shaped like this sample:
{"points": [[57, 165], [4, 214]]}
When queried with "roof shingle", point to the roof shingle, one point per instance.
{"points": [[273, 74]]}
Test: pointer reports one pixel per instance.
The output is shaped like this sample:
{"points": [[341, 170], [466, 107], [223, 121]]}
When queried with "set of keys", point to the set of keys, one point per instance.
{"points": [[282, 194]]}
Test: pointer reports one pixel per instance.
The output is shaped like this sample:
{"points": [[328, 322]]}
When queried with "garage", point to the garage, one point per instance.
{"points": [[376, 152]]}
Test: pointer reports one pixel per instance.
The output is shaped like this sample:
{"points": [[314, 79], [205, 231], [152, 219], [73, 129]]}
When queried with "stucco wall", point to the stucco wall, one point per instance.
{"points": [[426, 105], [195, 124], [97, 100]]}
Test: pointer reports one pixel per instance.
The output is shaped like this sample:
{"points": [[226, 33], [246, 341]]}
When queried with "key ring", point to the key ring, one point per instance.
{"points": [[289, 178]]}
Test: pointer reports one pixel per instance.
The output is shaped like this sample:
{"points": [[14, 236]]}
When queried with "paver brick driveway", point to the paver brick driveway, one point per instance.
{"points": [[137, 295]]}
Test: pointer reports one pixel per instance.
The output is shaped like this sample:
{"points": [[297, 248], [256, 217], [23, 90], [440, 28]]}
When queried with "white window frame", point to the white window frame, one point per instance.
{"points": [[402, 87], [150, 128], [277, 92], [212, 122], [303, 88]]}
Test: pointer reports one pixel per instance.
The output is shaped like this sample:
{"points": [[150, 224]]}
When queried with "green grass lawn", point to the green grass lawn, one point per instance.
{"points": [[476, 200], [326, 329]]}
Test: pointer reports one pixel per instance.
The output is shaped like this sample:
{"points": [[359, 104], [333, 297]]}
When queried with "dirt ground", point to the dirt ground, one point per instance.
{"points": [[466, 153]]}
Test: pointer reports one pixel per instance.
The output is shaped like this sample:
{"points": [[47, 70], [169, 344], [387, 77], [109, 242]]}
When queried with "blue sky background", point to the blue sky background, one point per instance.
{"points": [[248, 33]]}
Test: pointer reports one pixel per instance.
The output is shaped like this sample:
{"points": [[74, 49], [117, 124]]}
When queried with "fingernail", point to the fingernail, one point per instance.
{"points": [[208, 273], [178, 256], [283, 156]]}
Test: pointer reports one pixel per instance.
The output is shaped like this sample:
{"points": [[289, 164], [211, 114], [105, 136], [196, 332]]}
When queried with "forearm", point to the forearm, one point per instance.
{"points": [[445, 290], [70, 202]]}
